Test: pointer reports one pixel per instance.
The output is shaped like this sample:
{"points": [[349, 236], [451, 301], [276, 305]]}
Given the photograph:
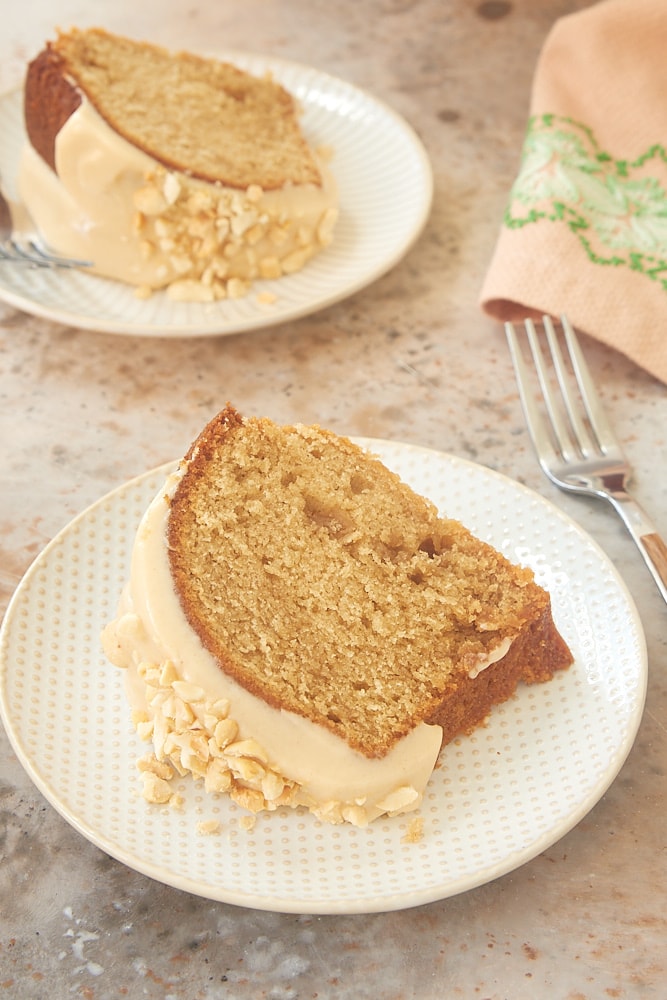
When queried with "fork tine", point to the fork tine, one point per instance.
{"points": [[537, 426], [17, 252], [56, 259], [566, 445], [571, 402], [596, 415], [37, 256], [42, 258]]}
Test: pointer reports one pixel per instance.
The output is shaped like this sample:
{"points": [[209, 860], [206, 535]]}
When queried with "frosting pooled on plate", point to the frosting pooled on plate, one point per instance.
{"points": [[110, 203]]}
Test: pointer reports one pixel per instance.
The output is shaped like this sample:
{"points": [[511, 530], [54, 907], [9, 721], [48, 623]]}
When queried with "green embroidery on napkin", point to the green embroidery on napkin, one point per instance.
{"points": [[617, 209]]}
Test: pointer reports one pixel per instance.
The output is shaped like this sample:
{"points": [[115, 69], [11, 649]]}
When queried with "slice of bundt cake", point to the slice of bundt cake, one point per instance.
{"points": [[319, 586], [198, 171]]}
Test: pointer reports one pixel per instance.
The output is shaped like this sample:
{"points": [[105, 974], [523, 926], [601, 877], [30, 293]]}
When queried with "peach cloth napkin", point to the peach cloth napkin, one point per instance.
{"points": [[585, 231]]}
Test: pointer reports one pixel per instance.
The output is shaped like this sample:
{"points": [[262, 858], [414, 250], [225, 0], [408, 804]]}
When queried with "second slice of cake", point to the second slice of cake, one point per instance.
{"points": [[169, 170], [301, 628]]}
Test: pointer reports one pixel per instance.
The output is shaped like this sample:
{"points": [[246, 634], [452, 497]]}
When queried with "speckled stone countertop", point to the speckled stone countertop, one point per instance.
{"points": [[410, 358]]}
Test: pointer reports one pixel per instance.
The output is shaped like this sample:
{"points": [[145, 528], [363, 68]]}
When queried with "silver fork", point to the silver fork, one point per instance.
{"points": [[27, 249], [575, 444]]}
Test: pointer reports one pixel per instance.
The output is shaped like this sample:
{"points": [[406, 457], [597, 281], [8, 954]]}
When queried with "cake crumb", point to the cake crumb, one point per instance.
{"points": [[247, 823], [207, 827], [415, 831]]}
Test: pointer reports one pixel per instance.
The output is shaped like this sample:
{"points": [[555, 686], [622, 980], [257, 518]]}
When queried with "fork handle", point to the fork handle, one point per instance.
{"points": [[649, 542]]}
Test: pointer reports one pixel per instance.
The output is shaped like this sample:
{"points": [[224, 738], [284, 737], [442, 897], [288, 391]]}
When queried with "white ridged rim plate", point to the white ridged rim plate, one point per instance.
{"points": [[385, 187], [498, 798]]}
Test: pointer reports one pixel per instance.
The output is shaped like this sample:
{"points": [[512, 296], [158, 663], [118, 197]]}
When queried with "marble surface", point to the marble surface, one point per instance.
{"points": [[410, 358]]}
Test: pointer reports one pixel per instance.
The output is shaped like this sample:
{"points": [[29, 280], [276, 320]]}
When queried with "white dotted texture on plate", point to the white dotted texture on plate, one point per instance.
{"points": [[496, 799], [385, 187]]}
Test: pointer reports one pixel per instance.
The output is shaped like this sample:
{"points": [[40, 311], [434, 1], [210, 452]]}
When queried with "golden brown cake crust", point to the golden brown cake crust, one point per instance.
{"points": [[200, 116], [49, 100], [325, 586], [537, 653]]}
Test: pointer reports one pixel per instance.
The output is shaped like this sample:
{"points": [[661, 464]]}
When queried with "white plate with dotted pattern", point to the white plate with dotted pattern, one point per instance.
{"points": [[385, 186], [497, 799]]}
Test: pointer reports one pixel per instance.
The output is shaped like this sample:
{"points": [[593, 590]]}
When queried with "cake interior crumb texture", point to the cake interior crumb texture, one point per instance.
{"points": [[205, 116], [325, 585]]}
